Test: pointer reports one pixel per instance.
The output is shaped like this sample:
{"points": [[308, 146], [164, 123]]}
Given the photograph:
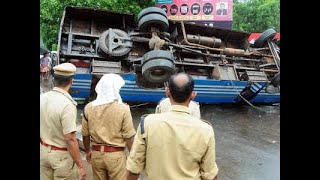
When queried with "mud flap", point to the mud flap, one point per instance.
{"points": [[250, 92]]}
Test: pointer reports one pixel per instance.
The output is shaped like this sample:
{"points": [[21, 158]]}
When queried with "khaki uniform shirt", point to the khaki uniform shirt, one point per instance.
{"points": [[174, 146], [58, 113], [108, 123], [165, 106]]}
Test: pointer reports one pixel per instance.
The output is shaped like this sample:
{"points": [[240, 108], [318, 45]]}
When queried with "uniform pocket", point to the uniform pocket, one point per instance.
{"points": [[115, 156], [63, 165], [97, 159], [116, 161]]}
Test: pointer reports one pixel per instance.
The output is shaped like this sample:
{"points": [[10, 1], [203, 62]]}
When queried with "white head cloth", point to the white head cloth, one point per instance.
{"points": [[108, 89]]}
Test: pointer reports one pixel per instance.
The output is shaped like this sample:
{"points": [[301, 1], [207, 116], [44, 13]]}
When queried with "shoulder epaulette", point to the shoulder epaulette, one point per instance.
{"points": [[142, 123]]}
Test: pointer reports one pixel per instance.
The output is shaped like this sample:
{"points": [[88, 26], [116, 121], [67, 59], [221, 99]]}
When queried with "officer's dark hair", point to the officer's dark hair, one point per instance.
{"points": [[61, 81], [180, 93]]}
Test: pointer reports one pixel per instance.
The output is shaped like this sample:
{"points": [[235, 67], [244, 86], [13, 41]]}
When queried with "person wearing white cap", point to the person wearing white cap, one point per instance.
{"points": [[58, 113], [108, 123]]}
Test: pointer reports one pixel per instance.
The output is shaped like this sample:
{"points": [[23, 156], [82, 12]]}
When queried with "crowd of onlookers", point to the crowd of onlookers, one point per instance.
{"points": [[46, 64]]}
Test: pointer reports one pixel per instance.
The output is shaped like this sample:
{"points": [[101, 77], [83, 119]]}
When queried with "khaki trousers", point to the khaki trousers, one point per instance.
{"points": [[108, 165], [55, 164]]}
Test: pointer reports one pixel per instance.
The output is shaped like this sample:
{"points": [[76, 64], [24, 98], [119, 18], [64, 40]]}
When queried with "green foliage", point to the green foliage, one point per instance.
{"points": [[54, 47], [256, 15], [252, 16], [51, 11]]}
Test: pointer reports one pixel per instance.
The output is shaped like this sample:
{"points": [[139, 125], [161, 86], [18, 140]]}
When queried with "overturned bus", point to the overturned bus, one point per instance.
{"points": [[225, 66]]}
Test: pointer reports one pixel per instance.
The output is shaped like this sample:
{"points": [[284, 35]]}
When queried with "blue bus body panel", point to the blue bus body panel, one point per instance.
{"points": [[208, 91], [81, 86]]}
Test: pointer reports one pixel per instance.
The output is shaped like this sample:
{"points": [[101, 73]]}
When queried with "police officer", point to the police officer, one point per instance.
{"points": [[108, 122], [174, 144], [165, 106], [59, 146]]}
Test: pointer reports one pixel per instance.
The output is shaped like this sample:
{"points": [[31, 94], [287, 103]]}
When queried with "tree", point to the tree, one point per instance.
{"points": [[249, 15], [51, 11], [256, 15]]}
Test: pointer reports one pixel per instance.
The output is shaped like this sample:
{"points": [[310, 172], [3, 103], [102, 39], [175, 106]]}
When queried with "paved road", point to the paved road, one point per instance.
{"points": [[247, 140]]}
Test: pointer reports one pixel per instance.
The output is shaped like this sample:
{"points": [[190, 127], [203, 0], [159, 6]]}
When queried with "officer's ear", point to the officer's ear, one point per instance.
{"points": [[168, 92], [71, 81], [193, 95]]}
